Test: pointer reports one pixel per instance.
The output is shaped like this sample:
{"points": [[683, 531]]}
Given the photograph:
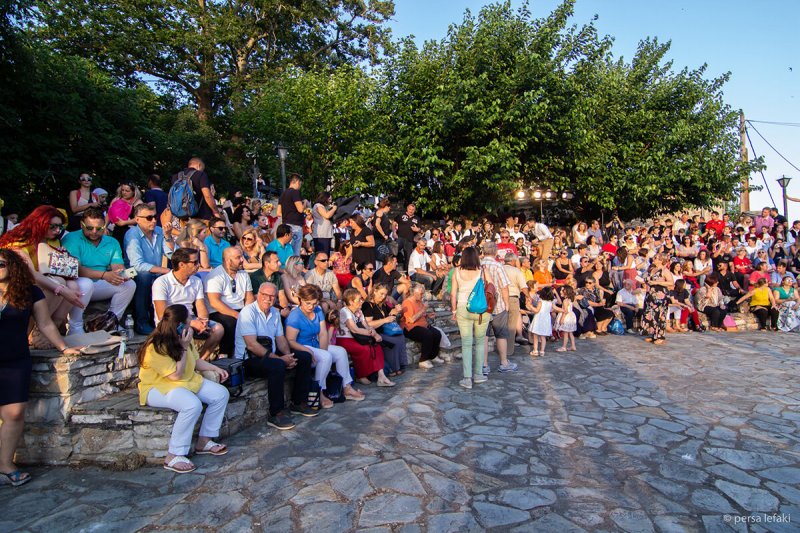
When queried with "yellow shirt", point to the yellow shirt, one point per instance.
{"points": [[156, 367], [760, 297]]}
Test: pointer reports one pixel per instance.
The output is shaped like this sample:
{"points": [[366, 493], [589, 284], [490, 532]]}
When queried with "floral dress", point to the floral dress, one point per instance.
{"points": [[788, 312], [656, 304]]}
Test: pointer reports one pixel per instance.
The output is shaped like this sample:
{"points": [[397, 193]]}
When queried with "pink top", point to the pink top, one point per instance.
{"points": [[119, 210]]}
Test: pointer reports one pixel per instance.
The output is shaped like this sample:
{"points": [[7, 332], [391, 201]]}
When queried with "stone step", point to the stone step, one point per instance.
{"points": [[116, 431]]}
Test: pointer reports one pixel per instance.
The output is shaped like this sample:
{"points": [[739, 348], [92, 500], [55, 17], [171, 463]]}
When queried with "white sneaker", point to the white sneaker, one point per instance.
{"points": [[479, 378], [446, 358], [466, 383], [427, 365], [438, 360]]}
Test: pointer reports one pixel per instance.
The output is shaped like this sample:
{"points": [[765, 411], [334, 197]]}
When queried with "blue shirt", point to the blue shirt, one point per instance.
{"points": [[99, 257], [284, 252], [308, 329], [158, 197], [215, 250], [253, 321], [144, 254]]}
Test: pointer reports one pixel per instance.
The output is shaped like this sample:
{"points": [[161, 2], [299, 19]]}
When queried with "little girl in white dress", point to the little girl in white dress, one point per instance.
{"points": [[566, 323], [542, 324]]}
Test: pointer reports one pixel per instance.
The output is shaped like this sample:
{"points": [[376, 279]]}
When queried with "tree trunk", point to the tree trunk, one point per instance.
{"points": [[205, 108]]}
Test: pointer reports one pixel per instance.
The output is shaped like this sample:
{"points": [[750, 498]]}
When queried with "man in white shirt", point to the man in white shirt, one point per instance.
{"points": [[498, 327], [628, 304], [418, 268], [182, 287], [261, 342], [228, 289]]}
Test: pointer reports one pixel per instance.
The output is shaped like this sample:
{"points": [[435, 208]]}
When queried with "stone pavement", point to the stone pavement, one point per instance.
{"points": [[699, 434]]}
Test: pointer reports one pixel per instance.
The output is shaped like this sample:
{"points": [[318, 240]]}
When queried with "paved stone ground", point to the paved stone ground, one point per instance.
{"points": [[699, 434]]}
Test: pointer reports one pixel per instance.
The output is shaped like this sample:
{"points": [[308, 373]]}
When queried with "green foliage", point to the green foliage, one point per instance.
{"points": [[216, 53], [330, 125]]}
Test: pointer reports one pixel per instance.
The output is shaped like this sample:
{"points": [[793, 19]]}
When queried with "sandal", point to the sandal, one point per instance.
{"points": [[386, 383], [180, 460], [648, 339], [16, 478], [212, 448], [313, 400], [326, 402], [534, 353], [562, 349], [658, 342], [354, 395]]}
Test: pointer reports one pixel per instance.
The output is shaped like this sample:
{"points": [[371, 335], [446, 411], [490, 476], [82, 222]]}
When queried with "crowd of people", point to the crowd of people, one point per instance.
{"points": [[318, 287]]}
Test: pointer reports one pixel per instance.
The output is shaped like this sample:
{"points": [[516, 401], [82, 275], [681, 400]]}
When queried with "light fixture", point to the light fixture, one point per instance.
{"points": [[537, 194], [566, 195], [521, 194], [549, 195]]}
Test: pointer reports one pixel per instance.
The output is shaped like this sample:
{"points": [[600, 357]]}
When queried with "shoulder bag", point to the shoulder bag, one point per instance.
{"points": [[56, 262]]}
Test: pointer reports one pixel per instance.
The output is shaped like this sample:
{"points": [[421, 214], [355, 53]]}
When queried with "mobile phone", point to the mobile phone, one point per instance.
{"points": [[181, 328], [129, 272]]}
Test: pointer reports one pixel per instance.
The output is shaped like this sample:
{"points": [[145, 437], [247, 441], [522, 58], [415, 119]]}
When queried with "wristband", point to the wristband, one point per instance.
{"points": [[103, 276]]}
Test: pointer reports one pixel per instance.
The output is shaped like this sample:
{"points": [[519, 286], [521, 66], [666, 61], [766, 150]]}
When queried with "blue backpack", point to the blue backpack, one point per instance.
{"points": [[181, 196], [476, 303]]}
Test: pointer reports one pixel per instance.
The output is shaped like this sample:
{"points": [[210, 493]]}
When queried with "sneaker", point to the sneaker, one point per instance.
{"points": [[427, 365], [438, 360], [510, 367], [458, 355], [631, 331], [280, 421], [479, 379], [486, 370], [303, 410], [446, 358], [466, 383]]}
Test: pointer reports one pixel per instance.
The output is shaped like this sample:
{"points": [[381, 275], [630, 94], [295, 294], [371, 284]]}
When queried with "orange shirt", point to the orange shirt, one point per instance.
{"points": [[542, 277], [411, 308]]}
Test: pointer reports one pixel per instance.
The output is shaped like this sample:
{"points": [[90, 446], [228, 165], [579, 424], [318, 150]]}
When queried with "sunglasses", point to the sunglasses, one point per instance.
{"points": [[148, 218], [233, 284], [220, 228], [86, 179], [91, 228], [323, 260], [54, 227], [370, 269], [247, 239]]}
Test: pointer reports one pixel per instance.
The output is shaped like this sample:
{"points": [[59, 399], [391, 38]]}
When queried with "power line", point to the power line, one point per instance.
{"points": [[791, 124], [776, 150], [761, 171]]}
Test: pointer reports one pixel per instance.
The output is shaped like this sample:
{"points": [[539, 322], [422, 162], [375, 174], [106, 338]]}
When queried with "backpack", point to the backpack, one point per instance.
{"points": [[476, 303], [181, 198]]}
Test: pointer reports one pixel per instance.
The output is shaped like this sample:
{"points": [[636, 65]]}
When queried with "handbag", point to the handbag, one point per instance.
{"points": [[56, 262], [264, 341], [235, 369], [391, 329]]}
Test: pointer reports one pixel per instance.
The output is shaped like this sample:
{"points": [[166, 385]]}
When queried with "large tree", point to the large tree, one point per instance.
{"points": [[216, 51]]}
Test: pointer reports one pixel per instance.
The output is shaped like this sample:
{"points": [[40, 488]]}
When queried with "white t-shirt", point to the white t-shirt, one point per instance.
{"points": [[168, 289], [418, 261], [625, 296], [541, 231], [253, 321], [344, 315], [218, 281]]}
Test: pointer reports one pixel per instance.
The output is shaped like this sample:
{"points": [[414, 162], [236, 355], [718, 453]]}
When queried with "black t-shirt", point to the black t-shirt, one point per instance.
{"points": [[363, 254], [725, 283], [158, 197], [385, 225], [404, 223], [200, 181], [14, 329], [289, 211], [380, 276]]}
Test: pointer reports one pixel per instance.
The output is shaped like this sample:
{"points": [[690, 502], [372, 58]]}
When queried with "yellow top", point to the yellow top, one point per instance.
{"points": [[760, 297], [32, 250], [156, 367]]}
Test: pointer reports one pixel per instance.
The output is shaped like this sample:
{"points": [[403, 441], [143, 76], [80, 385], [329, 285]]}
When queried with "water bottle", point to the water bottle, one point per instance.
{"points": [[129, 326]]}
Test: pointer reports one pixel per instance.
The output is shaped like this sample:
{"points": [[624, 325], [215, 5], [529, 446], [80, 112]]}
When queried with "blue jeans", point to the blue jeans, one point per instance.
{"points": [[297, 238], [472, 333], [143, 299]]}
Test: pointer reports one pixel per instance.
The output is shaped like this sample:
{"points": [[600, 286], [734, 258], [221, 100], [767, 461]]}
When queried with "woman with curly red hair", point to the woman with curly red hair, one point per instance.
{"points": [[43, 228], [20, 300]]}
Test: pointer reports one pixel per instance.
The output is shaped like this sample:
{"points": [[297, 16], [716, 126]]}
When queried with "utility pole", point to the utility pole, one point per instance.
{"points": [[744, 198]]}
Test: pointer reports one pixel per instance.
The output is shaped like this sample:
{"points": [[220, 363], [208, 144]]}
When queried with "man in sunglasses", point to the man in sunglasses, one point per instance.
{"points": [[216, 242], [144, 246], [101, 268]]}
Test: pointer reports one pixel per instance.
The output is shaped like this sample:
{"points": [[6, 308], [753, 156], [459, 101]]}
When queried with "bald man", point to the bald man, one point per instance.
{"points": [[228, 289]]}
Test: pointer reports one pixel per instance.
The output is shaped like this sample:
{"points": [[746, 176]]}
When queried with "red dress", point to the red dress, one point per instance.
{"points": [[367, 359]]}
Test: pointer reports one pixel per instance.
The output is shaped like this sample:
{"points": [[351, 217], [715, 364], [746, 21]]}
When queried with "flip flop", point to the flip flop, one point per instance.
{"points": [[16, 478], [208, 449], [179, 459]]}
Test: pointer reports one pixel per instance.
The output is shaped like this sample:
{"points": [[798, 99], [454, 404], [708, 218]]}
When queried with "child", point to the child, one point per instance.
{"points": [[542, 325], [566, 323]]}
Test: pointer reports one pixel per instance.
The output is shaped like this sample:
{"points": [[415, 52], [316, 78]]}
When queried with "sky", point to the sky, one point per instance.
{"points": [[757, 42]]}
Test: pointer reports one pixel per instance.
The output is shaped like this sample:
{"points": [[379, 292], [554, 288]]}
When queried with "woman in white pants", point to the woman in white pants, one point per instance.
{"points": [[307, 331], [169, 377]]}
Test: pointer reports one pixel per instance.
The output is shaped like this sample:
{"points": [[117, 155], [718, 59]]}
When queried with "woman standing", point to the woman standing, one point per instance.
{"points": [[307, 331], [80, 200], [322, 232], [471, 326], [169, 377], [44, 227], [20, 300], [659, 282], [121, 210], [367, 353], [242, 220], [363, 241], [382, 225], [378, 315], [416, 327]]}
